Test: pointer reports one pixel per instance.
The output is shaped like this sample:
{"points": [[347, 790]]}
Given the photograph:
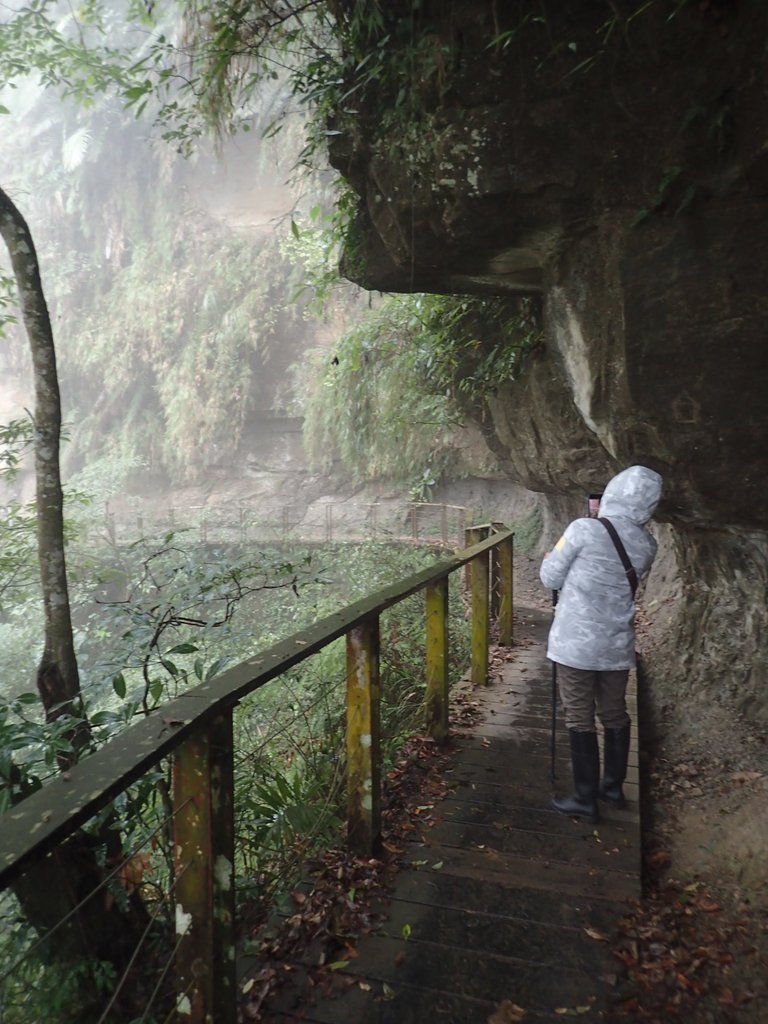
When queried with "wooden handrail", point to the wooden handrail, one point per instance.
{"points": [[197, 729]]}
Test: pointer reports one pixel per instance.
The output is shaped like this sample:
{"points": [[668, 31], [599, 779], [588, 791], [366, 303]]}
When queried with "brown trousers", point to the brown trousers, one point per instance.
{"points": [[585, 692]]}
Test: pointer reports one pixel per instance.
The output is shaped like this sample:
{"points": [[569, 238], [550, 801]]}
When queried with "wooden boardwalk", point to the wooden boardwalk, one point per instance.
{"points": [[507, 902]]}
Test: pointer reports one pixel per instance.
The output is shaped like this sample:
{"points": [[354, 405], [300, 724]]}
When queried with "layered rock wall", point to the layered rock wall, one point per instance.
{"points": [[613, 159]]}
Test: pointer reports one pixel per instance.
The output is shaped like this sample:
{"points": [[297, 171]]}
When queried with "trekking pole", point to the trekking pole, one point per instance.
{"points": [[554, 700]]}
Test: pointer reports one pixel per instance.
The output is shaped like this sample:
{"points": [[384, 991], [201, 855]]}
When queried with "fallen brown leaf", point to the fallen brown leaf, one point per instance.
{"points": [[659, 859], [707, 905], [507, 1012]]}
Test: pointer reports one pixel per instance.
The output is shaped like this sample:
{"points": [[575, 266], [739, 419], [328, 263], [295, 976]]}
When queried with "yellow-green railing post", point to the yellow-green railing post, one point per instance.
{"points": [[495, 575], [479, 584], [471, 536], [204, 891], [506, 590], [464, 521], [437, 660], [363, 738]]}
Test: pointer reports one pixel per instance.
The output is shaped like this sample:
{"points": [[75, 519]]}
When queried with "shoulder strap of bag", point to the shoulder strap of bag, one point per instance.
{"points": [[629, 569]]}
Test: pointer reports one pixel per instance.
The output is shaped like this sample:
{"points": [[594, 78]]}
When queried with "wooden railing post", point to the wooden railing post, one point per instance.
{"points": [[472, 535], [363, 738], [506, 590], [495, 575], [437, 660], [479, 584], [204, 892]]}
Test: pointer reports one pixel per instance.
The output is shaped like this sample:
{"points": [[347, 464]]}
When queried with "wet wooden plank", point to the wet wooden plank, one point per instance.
{"points": [[612, 846], [407, 1004], [491, 933], [484, 974], [568, 877], [507, 897], [501, 816]]}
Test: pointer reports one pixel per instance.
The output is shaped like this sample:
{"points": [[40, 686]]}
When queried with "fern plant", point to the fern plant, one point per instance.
{"points": [[392, 399]]}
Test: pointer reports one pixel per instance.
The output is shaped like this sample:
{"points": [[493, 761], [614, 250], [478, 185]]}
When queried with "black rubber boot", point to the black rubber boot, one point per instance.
{"points": [[585, 760], [616, 754]]}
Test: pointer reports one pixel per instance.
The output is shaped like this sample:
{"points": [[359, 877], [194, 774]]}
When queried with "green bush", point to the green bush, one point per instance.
{"points": [[528, 532]]}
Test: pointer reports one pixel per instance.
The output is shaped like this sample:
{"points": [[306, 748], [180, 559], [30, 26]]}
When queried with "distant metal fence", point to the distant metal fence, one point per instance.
{"points": [[323, 522]]}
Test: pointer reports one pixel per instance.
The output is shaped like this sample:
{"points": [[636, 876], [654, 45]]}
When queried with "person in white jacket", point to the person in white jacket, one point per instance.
{"points": [[592, 638]]}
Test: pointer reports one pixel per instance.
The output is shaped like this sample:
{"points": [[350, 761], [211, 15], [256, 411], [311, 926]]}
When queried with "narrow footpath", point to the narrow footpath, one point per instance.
{"points": [[504, 911]]}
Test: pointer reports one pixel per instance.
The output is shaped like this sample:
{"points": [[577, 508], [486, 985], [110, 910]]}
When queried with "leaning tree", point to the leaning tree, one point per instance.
{"points": [[52, 890]]}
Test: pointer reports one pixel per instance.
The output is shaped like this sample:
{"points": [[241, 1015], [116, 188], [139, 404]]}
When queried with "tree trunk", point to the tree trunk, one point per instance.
{"points": [[100, 928], [58, 680]]}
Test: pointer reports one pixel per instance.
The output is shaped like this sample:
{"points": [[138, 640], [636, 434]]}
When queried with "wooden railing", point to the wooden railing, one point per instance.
{"points": [[195, 729]]}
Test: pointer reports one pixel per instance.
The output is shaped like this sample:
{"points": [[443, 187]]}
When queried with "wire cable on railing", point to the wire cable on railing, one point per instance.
{"points": [[139, 944], [276, 733], [161, 979], [41, 940]]}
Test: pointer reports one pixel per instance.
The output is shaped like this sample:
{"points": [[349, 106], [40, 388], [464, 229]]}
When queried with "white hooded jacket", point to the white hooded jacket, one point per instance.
{"points": [[593, 626]]}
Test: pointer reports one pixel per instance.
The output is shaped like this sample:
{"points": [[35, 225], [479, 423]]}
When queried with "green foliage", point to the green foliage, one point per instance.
{"points": [[174, 385], [19, 574], [42, 989], [331, 54], [190, 368], [528, 532], [177, 624], [7, 303], [390, 402], [15, 443], [283, 812], [174, 628], [28, 747], [313, 249], [290, 735]]}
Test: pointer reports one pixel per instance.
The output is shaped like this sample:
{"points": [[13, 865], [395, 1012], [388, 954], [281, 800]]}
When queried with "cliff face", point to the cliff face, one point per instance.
{"points": [[614, 161]]}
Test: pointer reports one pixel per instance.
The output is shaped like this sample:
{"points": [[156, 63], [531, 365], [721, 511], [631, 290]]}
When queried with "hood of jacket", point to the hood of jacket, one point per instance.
{"points": [[634, 493]]}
